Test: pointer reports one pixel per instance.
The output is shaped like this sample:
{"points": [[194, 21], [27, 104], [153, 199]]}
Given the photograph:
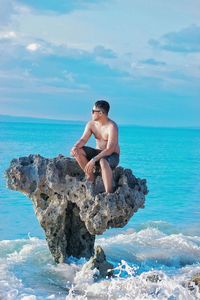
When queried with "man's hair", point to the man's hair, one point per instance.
{"points": [[103, 105]]}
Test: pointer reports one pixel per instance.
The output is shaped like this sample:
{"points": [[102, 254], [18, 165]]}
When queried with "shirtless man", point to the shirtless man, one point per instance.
{"points": [[107, 149]]}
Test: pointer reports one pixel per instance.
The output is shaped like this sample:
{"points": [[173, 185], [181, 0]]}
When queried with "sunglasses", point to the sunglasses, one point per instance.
{"points": [[95, 110]]}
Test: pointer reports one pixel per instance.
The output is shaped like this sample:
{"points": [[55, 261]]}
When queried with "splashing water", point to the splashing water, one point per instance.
{"points": [[27, 270]]}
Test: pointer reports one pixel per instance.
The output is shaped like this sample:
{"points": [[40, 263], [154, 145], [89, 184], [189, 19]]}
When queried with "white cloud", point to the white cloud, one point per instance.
{"points": [[8, 35], [33, 47]]}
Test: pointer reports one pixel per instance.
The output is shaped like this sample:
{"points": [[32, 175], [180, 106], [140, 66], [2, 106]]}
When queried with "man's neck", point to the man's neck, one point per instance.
{"points": [[103, 121]]}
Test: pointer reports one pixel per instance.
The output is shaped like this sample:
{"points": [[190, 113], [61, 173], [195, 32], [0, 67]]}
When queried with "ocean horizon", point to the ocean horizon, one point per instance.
{"points": [[163, 238], [25, 119]]}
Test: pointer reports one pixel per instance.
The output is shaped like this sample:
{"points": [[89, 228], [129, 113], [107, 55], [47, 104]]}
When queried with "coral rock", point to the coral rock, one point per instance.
{"points": [[70, 209]]}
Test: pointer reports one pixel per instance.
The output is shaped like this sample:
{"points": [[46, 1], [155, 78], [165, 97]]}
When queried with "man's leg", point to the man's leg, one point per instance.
{"points": [[106, 175], [82, 161]]}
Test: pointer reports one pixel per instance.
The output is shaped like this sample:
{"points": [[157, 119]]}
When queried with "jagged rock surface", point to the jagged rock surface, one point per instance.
{"points": [[99, 262], [70, 209], [196, 280]]}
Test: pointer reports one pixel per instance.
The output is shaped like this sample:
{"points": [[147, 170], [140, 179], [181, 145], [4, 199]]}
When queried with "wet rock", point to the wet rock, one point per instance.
{"points": [[195, 281], [154, 278], [70, 209], [98, 261]]}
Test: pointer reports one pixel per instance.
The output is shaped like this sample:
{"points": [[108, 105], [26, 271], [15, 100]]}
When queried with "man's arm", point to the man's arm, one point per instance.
{"points": [[111, 144], [83, 140]]}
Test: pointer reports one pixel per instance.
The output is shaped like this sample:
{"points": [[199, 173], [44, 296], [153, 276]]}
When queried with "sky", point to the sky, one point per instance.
{"points": [[143, 56]]}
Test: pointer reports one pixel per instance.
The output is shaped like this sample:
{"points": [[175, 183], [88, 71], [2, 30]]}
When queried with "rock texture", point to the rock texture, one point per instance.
{"points": [[99, 262], [196, 280], [70, 209]]}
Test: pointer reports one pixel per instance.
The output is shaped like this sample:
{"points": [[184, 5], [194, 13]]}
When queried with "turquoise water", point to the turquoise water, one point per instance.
{"points": [[168, 158], [170, 161]]}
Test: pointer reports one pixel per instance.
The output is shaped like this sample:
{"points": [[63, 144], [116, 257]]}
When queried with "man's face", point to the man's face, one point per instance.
{"points": [[96, 113]]}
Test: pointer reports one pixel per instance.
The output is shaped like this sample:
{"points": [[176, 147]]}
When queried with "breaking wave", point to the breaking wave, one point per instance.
{"points": [[149, 264]]}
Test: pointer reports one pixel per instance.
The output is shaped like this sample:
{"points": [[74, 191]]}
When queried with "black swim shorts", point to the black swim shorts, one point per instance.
{"points": [[112, 159]]}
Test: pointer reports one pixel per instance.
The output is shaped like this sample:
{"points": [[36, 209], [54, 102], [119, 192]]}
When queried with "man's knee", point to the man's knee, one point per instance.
{"points": [[80, 153], [103, 163]]}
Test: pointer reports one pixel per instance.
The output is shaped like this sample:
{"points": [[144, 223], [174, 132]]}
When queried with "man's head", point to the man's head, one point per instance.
{"points": [[103, 106], [100, 109]]}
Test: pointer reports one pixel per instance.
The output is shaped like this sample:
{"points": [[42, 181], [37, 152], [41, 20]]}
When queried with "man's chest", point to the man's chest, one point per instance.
{"points": [[100, 132]]}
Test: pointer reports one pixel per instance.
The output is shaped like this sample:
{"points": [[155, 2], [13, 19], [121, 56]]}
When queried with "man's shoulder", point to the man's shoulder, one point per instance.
{"points": [[90, 124], [113, 124]]}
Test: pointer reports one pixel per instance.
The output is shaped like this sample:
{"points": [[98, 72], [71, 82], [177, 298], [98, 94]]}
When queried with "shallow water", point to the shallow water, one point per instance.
{"points": [[163, 238], [28, 271]]}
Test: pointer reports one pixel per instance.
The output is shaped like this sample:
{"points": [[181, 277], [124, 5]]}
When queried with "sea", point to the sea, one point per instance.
{"points": [[154, 256]]}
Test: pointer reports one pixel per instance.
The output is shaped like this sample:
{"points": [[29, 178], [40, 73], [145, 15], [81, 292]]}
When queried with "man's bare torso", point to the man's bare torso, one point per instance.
{"points": [[101, 134]]}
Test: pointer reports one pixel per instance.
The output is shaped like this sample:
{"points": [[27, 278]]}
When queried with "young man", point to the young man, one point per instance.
{"points": [[107, 149]]}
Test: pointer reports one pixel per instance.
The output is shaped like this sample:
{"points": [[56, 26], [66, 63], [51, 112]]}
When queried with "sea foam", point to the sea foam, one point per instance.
{"points": [[149, 264], [152, 245]]}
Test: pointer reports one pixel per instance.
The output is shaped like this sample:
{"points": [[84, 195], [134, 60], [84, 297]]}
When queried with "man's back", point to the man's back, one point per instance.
{"points": [[104, 133]]}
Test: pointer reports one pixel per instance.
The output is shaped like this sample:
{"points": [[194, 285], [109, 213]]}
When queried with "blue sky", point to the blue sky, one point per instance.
{"points": [[58, 57]]}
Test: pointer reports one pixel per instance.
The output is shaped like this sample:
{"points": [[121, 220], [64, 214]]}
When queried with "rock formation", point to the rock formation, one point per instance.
{"points": [[98, 261], [70, 209], [195, 281]]}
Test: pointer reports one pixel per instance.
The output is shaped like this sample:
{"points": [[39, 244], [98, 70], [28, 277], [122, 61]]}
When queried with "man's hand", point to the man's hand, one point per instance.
{"points": [[89, 167], [74, 151]]}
